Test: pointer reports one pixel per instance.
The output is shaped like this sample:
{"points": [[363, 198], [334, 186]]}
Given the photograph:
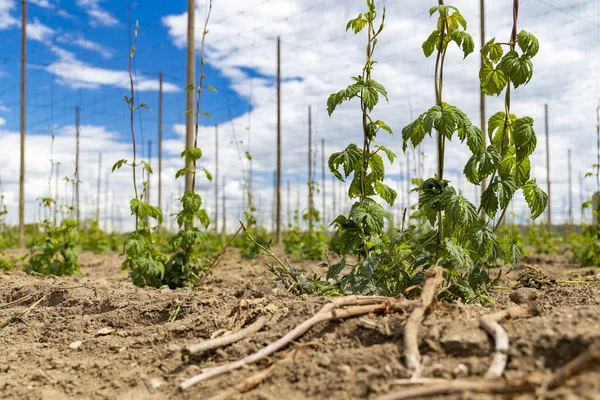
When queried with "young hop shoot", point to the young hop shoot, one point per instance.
{"points": [[461, 241]]}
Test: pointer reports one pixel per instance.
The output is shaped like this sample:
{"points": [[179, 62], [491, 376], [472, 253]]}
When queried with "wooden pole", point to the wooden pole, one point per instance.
{"points": [[310, 175], [191, 87], [289, 210], [160, 110], [106, 190], [77, 208], [408, 182], [216, 179], [570, 189], [98, 189], [482, 119], [223, 214], [278, 208], [548, 166], [23, 102]]}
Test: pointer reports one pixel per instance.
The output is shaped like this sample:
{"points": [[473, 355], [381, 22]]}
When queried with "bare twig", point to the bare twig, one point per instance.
{"points": [[361, 305], [24, 313], [463, 385], [412, 357], [215, 262], [490, 323], [226, 340]]}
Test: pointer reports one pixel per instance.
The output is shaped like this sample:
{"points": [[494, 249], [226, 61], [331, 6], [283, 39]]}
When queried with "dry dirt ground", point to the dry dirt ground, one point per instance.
{"points": [[100, 337]]}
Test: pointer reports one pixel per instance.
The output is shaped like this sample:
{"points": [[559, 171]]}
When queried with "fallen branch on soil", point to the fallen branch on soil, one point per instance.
{"points": [[490, 323], [412, 357], [588, 358], [355, 306], [215, 261], [19, 316], [226, 340]]}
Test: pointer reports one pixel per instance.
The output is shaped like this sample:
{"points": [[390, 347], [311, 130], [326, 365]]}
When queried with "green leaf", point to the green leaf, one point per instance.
{"points": [[191, 154], [522, 172], [357, 24], [433, 9], [492, 80], [456, 256], [458, 210], [496, 124], [208, 174], [189, 88], [389, 153], [489, 200], [474, 137], [485, 243], [370, 97], [384, 126], [386, 193], [118, 165], [536, 198], [378, 87], [506, 190], [336, 269], [443, 118], [528, 43], [143, 105], [431, 43], [524, 137], [377, 167], [212, 89], [416, 131], [147, 167], [348, 159], [181, 172], [492, 50], [512, 252], [519, 69]]}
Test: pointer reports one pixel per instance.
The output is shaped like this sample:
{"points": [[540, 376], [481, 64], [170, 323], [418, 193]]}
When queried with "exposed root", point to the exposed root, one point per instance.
{"points": [[490, 323], [354, 306], [589, 358], [226, 340], [412, 357]]}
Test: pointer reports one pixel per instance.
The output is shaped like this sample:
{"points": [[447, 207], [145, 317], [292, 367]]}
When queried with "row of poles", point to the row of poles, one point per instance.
{"points": [[190, 132]]}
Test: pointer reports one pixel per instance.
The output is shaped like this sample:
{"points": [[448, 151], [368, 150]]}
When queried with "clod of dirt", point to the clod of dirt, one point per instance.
{"points": [[534, 278], [105, 331]]}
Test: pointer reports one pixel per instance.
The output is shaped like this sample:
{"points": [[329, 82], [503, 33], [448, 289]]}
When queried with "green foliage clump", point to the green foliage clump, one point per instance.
{"points": [[93, 238], [305, 245], [55, 251], [586, 247], [543, 240]]}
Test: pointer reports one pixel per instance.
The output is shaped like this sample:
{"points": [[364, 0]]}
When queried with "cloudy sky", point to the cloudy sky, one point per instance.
{"points": [[77, 53]]}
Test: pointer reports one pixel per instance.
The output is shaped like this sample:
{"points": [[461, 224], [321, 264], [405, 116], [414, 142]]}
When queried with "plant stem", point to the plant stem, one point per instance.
{"points": [[131, 111], [204, 32]]}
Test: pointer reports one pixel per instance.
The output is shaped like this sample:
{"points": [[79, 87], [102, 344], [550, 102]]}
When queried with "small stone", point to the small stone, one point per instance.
{"points": [[460, 371], [324, 361], [154, 384], [75, 345], [597, 277], [105, 331]]}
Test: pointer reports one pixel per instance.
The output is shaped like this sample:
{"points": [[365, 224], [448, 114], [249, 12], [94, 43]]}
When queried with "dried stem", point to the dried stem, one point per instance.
{"points": [[490, 323], [412, 357]]}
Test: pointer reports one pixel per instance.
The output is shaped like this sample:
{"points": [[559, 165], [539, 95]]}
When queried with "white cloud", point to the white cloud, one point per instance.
{"points": [[84, 43], [2, 121], [98, 15], [3, 107], [38, 31], [6, 19], [42, 3]]}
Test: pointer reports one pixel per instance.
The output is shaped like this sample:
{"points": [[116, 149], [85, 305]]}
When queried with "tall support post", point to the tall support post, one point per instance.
{"points": [[149, 175], [482, 120], [407, 187], [77, 203], [23, 101], [570, 190], [274, 203], [98, 186], [216, 179], [278, 212], [160, 110], [548, 166], [310, 175], [106, 191], [191, 90], [323, 178], [223, 213], [289, 210]]}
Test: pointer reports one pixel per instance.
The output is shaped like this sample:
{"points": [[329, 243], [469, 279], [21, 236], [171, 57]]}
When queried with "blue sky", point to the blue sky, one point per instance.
{"points": [[78, 53]]}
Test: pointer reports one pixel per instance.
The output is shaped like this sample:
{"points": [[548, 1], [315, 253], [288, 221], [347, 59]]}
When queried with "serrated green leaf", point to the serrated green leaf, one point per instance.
{"points": [[492, 80], [536, 198], [431, 43], [489, 200], [528, 43], [386, 193], [391, 156], [347, 159], [524, 137]]}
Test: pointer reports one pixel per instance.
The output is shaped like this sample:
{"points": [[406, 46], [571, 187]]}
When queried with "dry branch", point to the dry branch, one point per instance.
{"points": [[226, 340], [360, 305], [463, 385], [589, 358], [490, 323], [433, 278]]}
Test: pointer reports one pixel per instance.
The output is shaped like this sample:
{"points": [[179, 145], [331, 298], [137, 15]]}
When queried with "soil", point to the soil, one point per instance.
{"points": [[100, 337]]}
